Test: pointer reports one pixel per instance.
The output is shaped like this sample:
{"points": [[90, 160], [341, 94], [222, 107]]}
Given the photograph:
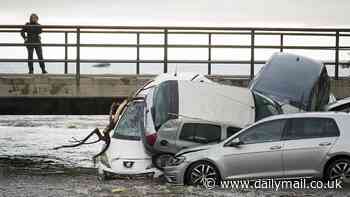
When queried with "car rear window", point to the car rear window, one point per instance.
{"points": [[200, 133], [303, 128]]}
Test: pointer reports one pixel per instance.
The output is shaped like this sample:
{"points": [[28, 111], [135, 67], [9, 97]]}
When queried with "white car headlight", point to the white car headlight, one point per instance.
{"points": [[175, 161]]}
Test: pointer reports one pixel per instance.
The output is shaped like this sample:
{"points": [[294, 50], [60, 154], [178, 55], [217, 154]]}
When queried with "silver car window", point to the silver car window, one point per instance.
{"points": [[265, 132], [303, 128], [200, 133]]}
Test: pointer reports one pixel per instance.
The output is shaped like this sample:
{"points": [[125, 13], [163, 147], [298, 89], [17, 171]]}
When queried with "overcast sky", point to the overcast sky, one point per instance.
{"points": [[299, 13]]}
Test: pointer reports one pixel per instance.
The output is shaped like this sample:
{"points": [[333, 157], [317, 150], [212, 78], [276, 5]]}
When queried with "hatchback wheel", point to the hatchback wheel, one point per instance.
{"points": [[201, 172], [338, 169]]}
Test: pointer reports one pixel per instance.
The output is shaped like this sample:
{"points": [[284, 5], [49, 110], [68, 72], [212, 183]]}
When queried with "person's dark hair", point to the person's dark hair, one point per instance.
{"points": [[33, 15]]}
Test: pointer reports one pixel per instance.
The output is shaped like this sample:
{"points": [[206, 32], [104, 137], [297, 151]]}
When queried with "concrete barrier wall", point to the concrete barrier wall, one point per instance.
{"points": [[29, 94], [66, 86], [106, 85]]}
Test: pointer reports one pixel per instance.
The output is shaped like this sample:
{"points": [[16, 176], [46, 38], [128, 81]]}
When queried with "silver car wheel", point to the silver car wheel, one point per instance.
{"points": [[200, 173], [340, 170]]}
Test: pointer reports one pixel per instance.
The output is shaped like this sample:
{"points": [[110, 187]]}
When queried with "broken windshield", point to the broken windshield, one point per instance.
{"points": [[131, 122]]}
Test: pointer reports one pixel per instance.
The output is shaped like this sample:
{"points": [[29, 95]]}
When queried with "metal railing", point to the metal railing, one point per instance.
{"points": [[166, 31]]}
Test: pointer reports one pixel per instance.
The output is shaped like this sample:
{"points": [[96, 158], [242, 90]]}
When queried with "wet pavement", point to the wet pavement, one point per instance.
{"points": [[86, 183], [30, 167]]}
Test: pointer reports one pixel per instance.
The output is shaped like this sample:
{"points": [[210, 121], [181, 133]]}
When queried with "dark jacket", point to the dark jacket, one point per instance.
{"points": [[30, 32]]}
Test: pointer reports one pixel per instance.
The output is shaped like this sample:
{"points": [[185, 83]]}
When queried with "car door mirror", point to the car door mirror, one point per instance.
{"points": [[235, 142]]}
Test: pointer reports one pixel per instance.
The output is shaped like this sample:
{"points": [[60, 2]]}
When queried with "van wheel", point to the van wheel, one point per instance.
{"points": [[160, 160], [338, 169], [202, 173]]}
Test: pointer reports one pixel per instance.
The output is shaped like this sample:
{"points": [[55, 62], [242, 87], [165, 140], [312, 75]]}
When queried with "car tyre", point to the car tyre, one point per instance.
{"points": [[201, 172], [160, 160], [338, 169]]}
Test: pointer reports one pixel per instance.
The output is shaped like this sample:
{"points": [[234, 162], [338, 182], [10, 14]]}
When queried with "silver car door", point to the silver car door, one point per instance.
{"points": [[259, 155], [307, 141]]}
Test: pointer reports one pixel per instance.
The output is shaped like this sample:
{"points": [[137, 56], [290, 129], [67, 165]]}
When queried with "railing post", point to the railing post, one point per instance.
{"points": [[165, 70], [65, 52], [281, 43], [78, 58], [336, 74], [252, 59], [138, 53], [209, 54]]}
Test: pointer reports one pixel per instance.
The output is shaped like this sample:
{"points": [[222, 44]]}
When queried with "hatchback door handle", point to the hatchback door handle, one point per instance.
{"points": [[275, 147], [324, 144]]}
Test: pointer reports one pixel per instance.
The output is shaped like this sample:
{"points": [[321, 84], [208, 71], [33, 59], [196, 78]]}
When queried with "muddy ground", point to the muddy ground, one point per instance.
{"points": [[23, 178]]}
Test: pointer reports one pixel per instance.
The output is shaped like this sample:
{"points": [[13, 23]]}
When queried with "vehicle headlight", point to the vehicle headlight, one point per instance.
{"points": [[175, 161]]}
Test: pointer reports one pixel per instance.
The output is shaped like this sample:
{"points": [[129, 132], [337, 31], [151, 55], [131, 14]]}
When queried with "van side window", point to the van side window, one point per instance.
{"points": [[200, 133], [231, 131], [304, 128]]}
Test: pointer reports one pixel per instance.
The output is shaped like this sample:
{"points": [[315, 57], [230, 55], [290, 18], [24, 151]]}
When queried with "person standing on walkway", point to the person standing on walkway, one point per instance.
{"points": [[31, 35]]}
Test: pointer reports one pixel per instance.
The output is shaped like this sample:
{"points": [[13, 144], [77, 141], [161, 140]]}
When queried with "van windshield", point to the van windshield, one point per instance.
{"points": [[131, 122]]}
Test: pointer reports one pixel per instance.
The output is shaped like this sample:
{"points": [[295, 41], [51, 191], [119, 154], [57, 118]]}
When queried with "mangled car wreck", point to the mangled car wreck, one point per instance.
{"points": [[297, 83], [174, 112], [162, 105]]}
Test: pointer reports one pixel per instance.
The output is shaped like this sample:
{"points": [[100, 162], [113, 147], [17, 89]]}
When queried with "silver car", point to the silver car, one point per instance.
{"points": [[288, 145]]}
